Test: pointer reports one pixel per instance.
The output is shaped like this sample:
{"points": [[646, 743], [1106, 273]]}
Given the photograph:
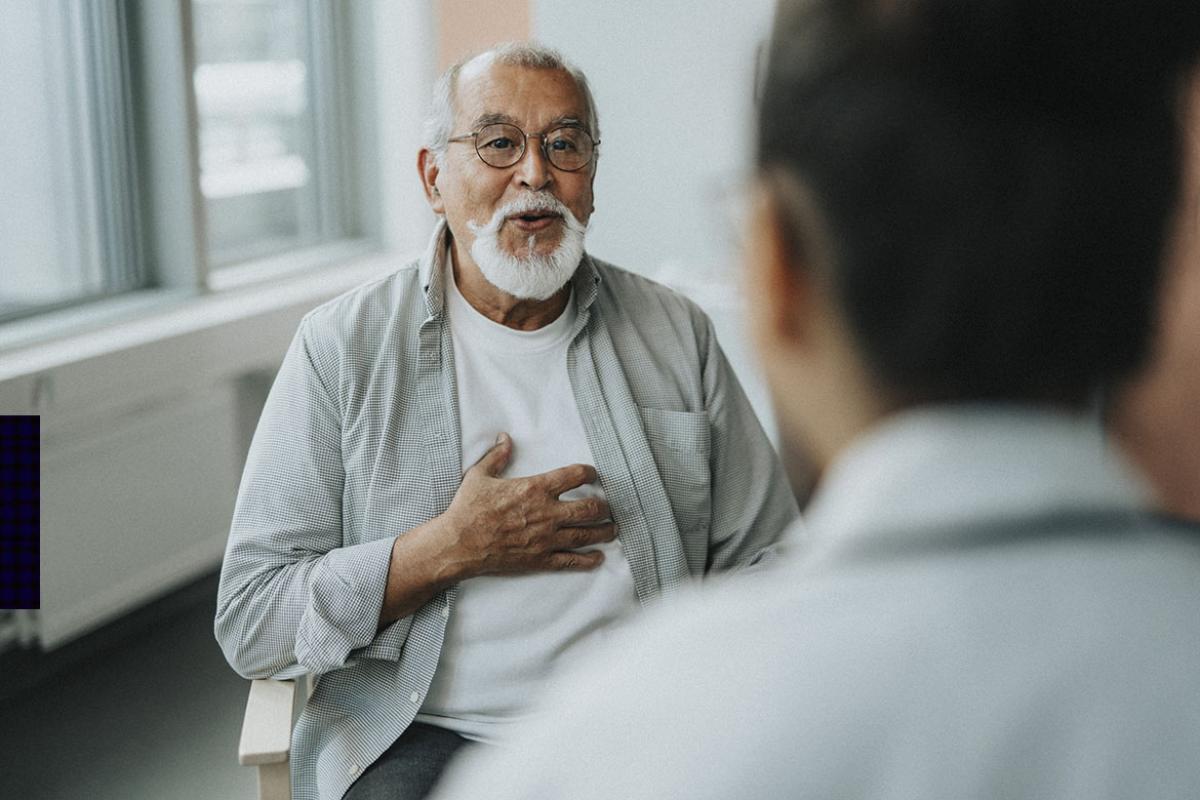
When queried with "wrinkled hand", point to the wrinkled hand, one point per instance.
{"points": [[515, 525]]}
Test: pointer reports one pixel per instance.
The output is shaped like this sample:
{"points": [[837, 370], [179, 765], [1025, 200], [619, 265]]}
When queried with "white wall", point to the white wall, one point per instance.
{"points": [[674, 84], [673, 81]]}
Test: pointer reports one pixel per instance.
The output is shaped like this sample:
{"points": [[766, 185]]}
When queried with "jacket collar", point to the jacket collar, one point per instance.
{"points": [[965, 467]]}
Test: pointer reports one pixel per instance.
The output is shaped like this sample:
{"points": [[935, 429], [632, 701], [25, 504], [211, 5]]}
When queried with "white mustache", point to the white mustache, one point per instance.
{"points": [[523, 205]]}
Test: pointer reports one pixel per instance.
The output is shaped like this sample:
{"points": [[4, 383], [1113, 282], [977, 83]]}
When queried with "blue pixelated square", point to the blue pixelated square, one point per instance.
{"points": [[20, 512]]}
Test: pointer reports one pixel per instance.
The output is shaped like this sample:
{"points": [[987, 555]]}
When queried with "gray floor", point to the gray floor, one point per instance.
{"points": [[150, 713]]}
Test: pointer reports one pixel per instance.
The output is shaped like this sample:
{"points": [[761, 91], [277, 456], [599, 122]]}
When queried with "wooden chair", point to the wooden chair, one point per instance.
{"points": [[267, 733]]}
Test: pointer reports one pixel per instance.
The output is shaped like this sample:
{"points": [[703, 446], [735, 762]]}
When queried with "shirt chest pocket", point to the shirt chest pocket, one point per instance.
{"points": [[680, 442]]}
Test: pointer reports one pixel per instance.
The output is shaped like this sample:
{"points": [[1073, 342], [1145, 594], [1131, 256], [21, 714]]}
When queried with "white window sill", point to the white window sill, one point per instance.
{"points": [[56, 339]]}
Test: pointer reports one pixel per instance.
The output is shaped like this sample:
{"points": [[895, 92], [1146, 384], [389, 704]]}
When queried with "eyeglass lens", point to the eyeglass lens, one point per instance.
{"points": [[502, 145]]}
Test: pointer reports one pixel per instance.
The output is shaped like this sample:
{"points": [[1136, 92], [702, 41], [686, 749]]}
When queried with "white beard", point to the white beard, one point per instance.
{"points": [[528, 275]]}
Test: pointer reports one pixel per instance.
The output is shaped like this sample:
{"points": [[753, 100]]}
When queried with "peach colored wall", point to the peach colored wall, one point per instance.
{"points": [[467, 26]]}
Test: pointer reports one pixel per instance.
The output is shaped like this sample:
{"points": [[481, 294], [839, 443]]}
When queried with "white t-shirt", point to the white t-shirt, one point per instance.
{"points": [[506, 633]]}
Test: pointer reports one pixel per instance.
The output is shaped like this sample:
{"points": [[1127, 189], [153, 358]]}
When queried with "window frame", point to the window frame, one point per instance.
{"points": [[177, 231], [94, 172]]}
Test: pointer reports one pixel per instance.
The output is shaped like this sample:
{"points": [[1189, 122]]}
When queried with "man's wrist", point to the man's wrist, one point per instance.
{"points": [[440, 551], [423, 563]]}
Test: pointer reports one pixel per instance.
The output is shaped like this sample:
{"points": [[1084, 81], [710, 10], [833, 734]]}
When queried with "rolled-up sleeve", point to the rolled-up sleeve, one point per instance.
{"points": [[293, 597], [752, 501]]}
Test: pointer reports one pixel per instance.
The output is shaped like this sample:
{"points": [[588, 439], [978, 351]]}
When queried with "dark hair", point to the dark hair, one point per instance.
{"points": [[994, 180]]}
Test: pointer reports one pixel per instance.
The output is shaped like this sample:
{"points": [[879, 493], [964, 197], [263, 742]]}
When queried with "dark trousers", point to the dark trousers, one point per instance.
{"points": [[410, 767]]}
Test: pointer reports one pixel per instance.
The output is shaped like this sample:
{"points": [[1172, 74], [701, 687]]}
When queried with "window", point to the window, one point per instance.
{"points": [[147, 144], [69, 228], [261, 165]]}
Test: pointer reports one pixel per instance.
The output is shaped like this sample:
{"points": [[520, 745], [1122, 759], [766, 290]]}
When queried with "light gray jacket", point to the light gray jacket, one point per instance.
{"points": [[359, 442]]}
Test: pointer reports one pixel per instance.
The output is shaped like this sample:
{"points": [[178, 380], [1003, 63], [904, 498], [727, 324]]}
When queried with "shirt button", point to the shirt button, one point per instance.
{"points": [[353, 770], [414, 697], [446, 611]]}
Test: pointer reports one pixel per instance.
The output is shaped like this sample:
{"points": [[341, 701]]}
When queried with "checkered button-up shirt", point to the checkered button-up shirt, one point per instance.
{"points": [[359, 442]]}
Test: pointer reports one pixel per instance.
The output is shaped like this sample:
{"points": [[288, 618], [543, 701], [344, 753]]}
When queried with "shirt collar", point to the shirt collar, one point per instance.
{"points": [[432, 269], [967, 465], [585, 281]]}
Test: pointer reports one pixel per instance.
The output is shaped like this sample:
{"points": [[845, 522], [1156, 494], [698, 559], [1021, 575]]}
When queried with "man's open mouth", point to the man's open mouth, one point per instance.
{"points": [[534, 220]]}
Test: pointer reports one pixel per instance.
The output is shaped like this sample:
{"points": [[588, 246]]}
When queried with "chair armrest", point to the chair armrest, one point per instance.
{"points": [[267, 729]]}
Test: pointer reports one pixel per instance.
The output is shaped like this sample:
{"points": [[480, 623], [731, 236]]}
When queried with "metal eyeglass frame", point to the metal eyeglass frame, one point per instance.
{"points": [[473, 137]]}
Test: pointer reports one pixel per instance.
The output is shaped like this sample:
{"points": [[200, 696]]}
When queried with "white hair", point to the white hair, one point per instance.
{"points": [[439, 123]]}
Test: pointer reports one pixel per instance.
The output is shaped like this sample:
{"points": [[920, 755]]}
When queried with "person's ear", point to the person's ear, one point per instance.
{"points": [[780, 285], [429, 169]]}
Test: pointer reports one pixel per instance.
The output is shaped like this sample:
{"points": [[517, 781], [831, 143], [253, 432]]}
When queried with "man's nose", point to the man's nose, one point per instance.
{"points": [[533, 170]]}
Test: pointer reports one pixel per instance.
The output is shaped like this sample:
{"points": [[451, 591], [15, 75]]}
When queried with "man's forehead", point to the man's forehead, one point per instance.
{"points": [[490, 92]]}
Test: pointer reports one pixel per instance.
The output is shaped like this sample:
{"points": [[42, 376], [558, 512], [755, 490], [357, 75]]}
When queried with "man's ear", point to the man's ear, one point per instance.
{"points": [[592, 186], [427, 167], [780, 285]]}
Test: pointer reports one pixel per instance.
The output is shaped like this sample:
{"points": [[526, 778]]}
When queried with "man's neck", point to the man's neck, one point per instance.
{"points": [[498, 305]]}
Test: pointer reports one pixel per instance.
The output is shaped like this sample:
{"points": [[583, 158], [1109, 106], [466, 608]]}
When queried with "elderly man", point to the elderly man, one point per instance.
{"points": [[961, 217], [609, 455]]}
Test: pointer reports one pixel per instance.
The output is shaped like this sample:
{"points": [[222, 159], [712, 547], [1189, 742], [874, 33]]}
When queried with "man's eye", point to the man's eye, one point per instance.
{"points": [[500, 143], [564, 145]]}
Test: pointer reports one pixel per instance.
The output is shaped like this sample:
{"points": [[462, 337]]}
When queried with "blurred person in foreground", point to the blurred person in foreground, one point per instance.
{"points": [[471, 468], [961, 214]]}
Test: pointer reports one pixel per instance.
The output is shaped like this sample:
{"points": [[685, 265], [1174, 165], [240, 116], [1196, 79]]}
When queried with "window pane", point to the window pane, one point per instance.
{"points": [[253, 85], [67, 213]]}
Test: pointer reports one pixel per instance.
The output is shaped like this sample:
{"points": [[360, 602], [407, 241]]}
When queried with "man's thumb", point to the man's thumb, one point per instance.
{"points": [[495, 460]]}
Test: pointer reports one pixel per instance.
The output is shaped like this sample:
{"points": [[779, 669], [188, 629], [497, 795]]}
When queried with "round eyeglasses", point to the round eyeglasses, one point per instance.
{"points": [[501, 145]]}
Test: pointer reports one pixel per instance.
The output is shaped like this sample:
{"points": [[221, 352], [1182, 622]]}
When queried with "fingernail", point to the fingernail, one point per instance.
{"points": [[500, 438]]}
